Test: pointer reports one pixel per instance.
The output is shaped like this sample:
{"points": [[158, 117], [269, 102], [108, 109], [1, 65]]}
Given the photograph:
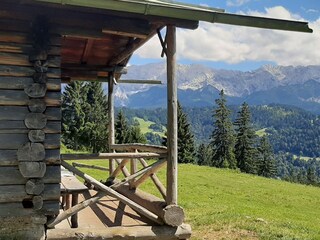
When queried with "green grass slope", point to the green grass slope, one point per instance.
{"points": [[226, 204]]}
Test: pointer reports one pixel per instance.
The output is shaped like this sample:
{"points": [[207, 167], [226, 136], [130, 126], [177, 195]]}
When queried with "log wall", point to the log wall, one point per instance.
{"points": [[30, 123]]}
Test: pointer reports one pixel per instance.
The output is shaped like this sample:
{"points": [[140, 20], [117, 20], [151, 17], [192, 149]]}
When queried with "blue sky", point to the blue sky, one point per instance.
{"points": [[241, 48]]}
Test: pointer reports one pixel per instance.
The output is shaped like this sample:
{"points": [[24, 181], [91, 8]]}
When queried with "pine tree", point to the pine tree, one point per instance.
{"points": [[121, 129], [73, 115], [311, 176], [222, 139], [245, 150], [96, 120], [267, 165], [203, 154], [135, 135], [186, 148]]}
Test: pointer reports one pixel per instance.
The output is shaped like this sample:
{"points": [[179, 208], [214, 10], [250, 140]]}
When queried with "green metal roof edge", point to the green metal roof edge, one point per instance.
{"points": [[186, 12]]}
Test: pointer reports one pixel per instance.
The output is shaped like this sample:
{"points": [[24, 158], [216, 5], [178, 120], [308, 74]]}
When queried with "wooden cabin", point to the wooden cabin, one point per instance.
{"points": [[44, 43]]}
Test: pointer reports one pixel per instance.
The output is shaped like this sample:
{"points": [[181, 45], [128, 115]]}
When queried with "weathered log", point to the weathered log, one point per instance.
{"points": [[12, 141], [7, 47], [17, 209], [36, 135], [110, 156], [34, 186], [12, 175], [37, 105], [171, 215], [35, 120], [9, 157], [8, 127], [111, 134], [32, 169], [75, 164], [139, 147], [134, 233], [23, 60], [15, 113], [112, 193], [16, 193], [15, 37], [75, 209], [52, 141], [20, 98], [37, 202], [14, 71], [20, 83], [31, 152], [40, 77], [36, 90], [172, 143], [155, 180]]}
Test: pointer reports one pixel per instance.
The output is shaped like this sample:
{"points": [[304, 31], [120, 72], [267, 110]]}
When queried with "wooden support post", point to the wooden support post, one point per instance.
{"points": [[120, 167], [172, 125], [111, 121], [133, 170], [74, 217]]}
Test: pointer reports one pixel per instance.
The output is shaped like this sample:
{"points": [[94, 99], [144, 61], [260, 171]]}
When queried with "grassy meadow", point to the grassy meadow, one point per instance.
{"points": [[226, 204]]}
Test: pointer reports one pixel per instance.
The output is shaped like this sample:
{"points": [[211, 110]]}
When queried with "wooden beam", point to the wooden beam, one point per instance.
{"points": [[86, 51], [137, 43], [155, 180], [124, 169], [172, 125], [131, 81], [110, 156], [111, 121], [128, 27], [134, 232], [146, 175], [101, 68], [117, 171], [82, 165], [140, 147], [151, 167], [113, 193], [172, 215]]}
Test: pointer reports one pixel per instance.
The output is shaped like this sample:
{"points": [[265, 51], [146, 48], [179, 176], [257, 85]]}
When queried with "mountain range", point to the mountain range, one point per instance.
{"points": [[199, 86]]}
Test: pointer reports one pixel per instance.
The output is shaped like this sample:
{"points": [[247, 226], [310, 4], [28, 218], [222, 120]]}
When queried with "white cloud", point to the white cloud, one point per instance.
{"points": [[236, 3], [233, 44]]}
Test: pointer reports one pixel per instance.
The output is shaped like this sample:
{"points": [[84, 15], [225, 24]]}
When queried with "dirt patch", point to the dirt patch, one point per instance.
{"points": [[224, 234]]}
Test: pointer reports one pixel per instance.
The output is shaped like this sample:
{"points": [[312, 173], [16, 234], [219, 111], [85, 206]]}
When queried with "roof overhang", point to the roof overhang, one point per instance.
{"points": [[186, 12]]}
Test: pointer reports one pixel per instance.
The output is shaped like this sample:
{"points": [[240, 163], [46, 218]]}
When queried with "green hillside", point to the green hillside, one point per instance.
{"points": [[225, 204]]}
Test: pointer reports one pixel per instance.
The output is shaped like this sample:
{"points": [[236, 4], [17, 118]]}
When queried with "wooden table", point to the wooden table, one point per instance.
{"points": [[71, 186]]}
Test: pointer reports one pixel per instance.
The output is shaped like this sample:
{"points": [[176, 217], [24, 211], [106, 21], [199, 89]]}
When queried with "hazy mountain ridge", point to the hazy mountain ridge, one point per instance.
{"points": [[199, 85]]}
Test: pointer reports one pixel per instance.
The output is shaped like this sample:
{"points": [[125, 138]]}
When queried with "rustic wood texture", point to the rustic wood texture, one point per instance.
{"points": [[20, 83], [155, 180], [16, 193], [14, 71], [36, 90], [7, 127], [35, 121], [9, 157], [82, 165], [112, 193], [34, 186], [139, 147], [15, 113], [31, 152], [172, 215], [135, 233], [12, 175], [120, 167], [172, 125], [20, 98], [32, 169], [23, 60], [111, 156], [17, 209], [37, 202], [36, 135], [111, 116]]}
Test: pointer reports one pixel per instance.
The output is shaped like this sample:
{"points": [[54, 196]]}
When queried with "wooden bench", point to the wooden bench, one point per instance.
{"points": [[71, 187]]}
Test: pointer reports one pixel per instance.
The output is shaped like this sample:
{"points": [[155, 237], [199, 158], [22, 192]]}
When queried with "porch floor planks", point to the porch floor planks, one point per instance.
{"points": [[108, 212]]}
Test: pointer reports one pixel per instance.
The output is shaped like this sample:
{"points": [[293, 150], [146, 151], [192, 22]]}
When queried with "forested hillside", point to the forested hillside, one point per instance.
{"points": [[290, 129]]}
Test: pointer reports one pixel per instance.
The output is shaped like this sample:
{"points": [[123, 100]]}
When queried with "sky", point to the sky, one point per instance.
{"points": [[241, 48]]}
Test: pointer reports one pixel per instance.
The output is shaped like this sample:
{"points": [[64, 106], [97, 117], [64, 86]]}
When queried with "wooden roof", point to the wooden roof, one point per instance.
{"points": [[101, 35]]}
